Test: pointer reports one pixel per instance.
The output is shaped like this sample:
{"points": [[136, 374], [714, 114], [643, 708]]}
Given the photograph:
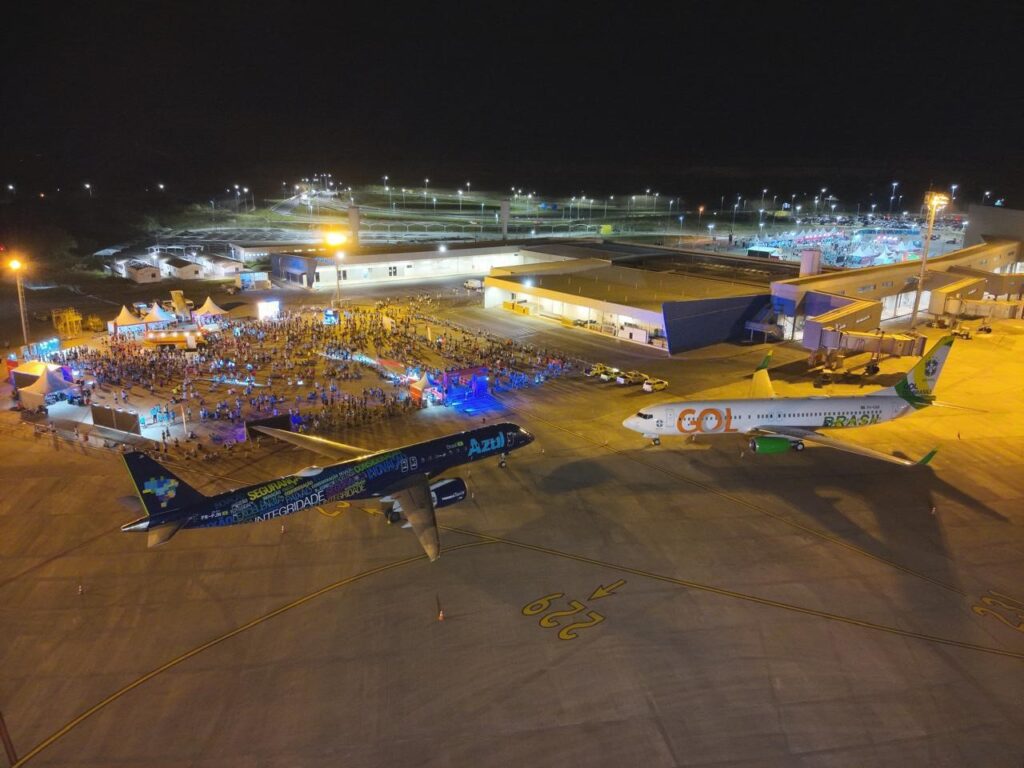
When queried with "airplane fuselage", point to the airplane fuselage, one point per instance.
{"points": [[710, 417], [360, 478]]}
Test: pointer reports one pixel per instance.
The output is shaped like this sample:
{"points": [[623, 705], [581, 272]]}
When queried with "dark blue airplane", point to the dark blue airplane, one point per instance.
{"points": [[401, 476]]}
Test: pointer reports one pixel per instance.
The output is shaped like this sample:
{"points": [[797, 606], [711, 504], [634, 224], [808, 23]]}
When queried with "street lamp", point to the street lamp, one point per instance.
{"points": [[985, 197], [935, 202], [700, 212], [891, 199], [952, 190], [734, 207], [88, 188], [17, 267], [460, 201]]}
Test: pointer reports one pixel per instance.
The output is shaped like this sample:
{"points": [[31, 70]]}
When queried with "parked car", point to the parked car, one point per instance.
{"points": [[631, 378], [596, 369], [655, 385], [610, 374]]}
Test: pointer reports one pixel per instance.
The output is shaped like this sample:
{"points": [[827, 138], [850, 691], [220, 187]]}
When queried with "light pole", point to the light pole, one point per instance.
{"points": [[985, 197], [88, 188], [460, 201], [935, 202], [17, 267], [763, 193], [733, 227], [700, 212], [893, 198]]}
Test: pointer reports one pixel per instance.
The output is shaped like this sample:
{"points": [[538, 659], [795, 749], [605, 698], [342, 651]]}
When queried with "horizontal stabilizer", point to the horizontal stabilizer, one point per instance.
{"points": [[163, 533]]}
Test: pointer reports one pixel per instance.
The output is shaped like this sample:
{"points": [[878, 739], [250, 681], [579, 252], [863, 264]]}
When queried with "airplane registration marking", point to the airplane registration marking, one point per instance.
{"points": [[1008, 605], [551, 620]]}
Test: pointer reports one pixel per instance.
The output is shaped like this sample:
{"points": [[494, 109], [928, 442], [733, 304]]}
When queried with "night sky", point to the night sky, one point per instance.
{"points": [[684, 97]]}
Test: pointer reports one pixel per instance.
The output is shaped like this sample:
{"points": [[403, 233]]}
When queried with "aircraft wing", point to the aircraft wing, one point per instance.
{"points": [[320, 445], [413, 496], [810, 436]]}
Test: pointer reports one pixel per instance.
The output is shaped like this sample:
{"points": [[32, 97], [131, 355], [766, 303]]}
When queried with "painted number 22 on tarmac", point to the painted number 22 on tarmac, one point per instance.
{"points": [[554, 619]]}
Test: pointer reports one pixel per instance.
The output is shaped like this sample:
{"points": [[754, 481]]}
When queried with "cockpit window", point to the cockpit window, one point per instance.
{"points": [[643, 415]]}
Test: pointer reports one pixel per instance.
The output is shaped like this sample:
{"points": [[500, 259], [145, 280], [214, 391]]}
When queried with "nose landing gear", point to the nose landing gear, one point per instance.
{"points": [[503, 460]]}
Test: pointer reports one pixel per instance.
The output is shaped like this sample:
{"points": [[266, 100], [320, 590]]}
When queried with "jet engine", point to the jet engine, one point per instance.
{"points": [[774, 444], [448, 491], [443, 493]]}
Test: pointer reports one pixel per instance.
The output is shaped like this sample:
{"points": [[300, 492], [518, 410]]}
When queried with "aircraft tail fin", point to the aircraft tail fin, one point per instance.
{"points": [[160, 490], [761, 383], [918, 386]]}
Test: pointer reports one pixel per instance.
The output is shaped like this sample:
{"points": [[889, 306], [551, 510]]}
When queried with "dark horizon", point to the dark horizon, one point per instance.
{"points": [[685, 99]]}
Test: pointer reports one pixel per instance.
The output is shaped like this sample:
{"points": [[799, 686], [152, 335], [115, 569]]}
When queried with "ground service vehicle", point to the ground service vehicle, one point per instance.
{"points": [[631, 378]]}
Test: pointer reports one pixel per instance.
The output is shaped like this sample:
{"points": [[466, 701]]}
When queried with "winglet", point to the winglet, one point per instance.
{"points": [[761, 381], [923, 461]]}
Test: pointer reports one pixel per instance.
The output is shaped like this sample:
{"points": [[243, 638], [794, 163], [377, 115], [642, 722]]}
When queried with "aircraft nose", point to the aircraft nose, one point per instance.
{"points": [[630, 423], [525, 437]]}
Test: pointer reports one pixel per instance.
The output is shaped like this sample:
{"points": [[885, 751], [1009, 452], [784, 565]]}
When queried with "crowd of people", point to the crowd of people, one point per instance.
{"points": [[325, 377]]}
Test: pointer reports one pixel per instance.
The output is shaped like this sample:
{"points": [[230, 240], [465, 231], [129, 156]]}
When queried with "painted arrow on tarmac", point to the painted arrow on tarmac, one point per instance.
{"points": [[606, 591]]}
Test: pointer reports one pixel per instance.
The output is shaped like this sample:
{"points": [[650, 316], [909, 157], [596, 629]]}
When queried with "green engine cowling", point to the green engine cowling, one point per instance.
{"points": [[771, 444]]}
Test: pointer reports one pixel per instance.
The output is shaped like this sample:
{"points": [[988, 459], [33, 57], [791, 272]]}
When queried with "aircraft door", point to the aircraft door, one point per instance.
{"points": [[405, 465], [666, 419]]}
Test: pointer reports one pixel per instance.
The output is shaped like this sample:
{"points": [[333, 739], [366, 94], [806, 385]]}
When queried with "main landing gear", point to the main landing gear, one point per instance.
{"points": [[503, 461], [798, 445], [656, 441]]}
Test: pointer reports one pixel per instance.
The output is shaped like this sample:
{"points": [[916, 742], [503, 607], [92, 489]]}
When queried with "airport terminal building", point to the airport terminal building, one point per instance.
{"points": [[321, 269]]}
